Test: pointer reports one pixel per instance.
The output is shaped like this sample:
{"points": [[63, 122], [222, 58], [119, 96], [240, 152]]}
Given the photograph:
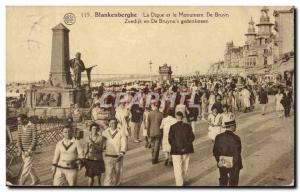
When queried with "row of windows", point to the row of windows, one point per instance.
{"points": [[260, 42], [251, 61]]}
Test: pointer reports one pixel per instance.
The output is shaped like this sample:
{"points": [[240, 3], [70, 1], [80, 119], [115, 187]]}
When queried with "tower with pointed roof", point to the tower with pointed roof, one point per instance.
{"points": [[250, 53], [264, 39], [251, 34], [264, 26]]}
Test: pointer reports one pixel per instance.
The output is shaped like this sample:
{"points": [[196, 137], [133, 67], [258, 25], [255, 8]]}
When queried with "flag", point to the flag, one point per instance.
{"points": [[88, 72]]}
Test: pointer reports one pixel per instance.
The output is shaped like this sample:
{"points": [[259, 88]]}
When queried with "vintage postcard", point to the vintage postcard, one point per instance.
{"points": [[150, 96]]}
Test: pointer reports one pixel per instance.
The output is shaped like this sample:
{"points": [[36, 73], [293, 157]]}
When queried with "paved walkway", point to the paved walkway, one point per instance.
{"points": [[267, 152]]}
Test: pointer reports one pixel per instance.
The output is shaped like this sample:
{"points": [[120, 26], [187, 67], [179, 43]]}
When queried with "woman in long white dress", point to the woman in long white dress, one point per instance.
{"points": [[246, 99], [211, 101], [204, 106], [122, 116], [278, 106], [144, 125], [166, 123], [214, 124]]}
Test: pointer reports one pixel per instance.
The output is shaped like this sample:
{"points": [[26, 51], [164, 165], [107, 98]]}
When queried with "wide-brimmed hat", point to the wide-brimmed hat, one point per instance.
{"points": [[123, 100]]}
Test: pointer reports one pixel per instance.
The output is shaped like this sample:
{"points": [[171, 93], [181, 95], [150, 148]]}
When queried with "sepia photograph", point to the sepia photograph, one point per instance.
{"points": [[150, 96]]}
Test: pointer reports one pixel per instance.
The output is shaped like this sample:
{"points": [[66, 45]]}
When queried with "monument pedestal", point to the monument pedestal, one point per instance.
{"points": [[50, 101], [54, 101]]}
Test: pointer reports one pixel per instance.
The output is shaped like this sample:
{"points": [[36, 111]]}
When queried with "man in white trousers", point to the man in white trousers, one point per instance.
{"points": [[27, 141], [115, 142], [181, 139], [67, 160]]}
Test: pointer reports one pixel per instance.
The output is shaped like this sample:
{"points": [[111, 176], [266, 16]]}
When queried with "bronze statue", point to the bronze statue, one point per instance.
{"points": [[77, 66]]}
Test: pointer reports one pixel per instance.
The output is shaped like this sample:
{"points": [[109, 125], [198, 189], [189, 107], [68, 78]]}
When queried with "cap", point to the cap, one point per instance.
{"points": [[179, 113]]}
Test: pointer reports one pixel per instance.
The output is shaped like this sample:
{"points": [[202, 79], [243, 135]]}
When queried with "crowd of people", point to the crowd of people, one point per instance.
{"points": [[166, 116]]}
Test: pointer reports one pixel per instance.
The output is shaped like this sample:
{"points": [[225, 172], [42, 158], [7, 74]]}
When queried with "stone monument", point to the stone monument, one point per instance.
{"points": [[56, 97], [60, 74]]}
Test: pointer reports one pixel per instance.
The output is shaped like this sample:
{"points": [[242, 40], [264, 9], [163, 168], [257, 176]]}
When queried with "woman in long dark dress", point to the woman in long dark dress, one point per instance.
{"points": [[287, 101], [94, 163]]}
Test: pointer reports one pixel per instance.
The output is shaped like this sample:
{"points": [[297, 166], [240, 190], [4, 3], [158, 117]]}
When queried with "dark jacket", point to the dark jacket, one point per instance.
{"points": [[228, 144], [219, 107], [286, 100], [136, 113], [263, 97], [154, 120], [181, 138], [100, 91]]}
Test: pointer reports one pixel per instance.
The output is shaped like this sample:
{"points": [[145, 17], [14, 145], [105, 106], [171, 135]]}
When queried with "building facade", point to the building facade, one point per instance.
{"points": [[284, 41], [259, 49], [233, 56], [284, 27], [216, 68], [165, 73], [264, 47]]}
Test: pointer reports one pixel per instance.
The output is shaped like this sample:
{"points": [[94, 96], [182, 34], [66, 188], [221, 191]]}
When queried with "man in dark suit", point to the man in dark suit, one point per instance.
{"points": [[263, 100], [155, 118], [101, 90], [227, 151], [181, 139]]}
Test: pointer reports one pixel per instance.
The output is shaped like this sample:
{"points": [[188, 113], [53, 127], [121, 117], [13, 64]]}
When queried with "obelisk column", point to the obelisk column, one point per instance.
{"points": [[59, 70]]}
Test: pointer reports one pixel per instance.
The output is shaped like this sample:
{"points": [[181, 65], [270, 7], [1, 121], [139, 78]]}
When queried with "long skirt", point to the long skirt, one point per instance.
{"points": [[214, 131], [247, 102], [279, 107]]}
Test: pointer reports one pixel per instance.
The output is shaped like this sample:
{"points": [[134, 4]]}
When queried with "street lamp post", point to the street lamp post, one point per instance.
{"points": [[150, 66]]}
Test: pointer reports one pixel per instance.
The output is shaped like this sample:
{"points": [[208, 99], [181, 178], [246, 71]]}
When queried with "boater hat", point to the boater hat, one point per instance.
{"points": [[230, 123], [123, 100]]}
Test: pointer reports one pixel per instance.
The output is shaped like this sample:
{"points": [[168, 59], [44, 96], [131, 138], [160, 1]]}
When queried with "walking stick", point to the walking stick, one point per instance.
{"points": [[53, 174]]}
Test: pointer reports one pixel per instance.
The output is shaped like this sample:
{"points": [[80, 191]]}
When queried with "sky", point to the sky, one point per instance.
{"points": [[119, 48]]}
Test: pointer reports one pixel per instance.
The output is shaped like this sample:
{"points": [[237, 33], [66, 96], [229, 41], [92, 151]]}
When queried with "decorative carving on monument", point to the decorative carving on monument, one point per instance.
{"points": [[39, 98], [48, 99], [55, 99]]}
